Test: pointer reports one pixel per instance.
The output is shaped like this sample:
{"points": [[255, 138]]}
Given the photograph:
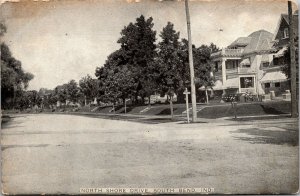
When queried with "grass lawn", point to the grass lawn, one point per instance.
{"points": [[211, 111], [251, 109]]}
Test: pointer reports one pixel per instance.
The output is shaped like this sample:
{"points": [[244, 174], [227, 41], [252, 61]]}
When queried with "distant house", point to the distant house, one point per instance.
{"points": [[238, 67]]}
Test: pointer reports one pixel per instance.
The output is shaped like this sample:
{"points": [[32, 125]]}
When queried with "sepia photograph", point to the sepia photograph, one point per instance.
{"points": [[149, 97]]}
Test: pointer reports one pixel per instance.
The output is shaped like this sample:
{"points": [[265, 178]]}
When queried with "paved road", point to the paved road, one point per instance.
{"points": [[47, 153]]}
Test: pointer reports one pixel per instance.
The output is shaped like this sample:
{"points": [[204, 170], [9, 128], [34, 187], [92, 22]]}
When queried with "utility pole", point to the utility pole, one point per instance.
{"points": [[193, 90], [187, 104], [294, 105]]}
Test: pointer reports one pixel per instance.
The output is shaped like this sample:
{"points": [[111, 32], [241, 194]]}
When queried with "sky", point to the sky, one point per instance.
{"points": [[60, 40]]}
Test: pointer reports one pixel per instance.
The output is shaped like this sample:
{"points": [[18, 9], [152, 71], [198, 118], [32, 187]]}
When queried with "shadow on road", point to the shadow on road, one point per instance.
{"points": [[8, 122], [271, 110], [262, 136]]}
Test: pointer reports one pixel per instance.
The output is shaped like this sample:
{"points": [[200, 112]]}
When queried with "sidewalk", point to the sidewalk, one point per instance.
{"points": [[182, 119]]}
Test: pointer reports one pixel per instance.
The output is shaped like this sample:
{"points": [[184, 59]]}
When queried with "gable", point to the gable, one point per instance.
{"points": [[282, 25]]}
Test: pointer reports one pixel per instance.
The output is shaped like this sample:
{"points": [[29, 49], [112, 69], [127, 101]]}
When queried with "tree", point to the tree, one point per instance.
{"points": [[139, 50], [13, 77], [169, 63], [116, 81], [204, 68], [213, 48], [125, 81], [60, 93], [2, 29], [48, 97], [89, 88], [28, 99], [72, 91]]}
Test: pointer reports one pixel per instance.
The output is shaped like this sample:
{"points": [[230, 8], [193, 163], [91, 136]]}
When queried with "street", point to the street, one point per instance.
{"points": [[52, 153]]}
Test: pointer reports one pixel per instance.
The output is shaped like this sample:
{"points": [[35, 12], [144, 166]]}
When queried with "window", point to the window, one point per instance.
{"points": [[277, 84], [231, 64], [247, 82], [275, 61], [286, 33], [265, 64], [267, 85]]}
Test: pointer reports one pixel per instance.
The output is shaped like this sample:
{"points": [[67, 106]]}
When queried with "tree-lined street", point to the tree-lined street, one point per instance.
{"points": [[116, 85], [40, 156]]}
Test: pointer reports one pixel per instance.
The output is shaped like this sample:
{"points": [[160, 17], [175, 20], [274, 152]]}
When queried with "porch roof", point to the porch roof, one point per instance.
{"points": [[218, 85], [276, 76], [232, 83], [245, 62], [281, 52]]}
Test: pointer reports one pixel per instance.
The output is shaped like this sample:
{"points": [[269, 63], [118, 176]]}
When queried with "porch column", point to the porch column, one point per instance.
{"points": [[239, 84], [223, 73]]}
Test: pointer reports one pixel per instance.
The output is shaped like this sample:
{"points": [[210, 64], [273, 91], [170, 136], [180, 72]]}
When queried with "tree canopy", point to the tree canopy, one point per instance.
{"points": [[13, 77], [139, 68]]}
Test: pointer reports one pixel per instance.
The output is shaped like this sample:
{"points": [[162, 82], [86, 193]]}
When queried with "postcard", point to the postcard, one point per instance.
{"points": [[149, 97]]}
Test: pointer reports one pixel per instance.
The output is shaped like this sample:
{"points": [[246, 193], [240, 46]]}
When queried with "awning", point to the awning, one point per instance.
{"points": [[245, 62], [281, 52], [232, 83], [202, 88], [277, 76], [218, 85]]}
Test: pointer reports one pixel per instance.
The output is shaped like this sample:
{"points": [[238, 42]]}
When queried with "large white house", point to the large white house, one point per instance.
{"points": [[253, 64], [239, 67]]}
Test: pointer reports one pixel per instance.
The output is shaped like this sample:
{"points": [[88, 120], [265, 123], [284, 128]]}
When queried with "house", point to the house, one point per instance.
{"points": [[254, 63], [238, 67], [281, 36], [271, 81]]}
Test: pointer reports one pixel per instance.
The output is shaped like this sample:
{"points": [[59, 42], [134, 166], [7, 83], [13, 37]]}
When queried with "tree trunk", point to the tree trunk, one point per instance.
{"points": [[180, 96], [143, 100], [206, 95], [171, 107], [124, 102], [136, 99]]}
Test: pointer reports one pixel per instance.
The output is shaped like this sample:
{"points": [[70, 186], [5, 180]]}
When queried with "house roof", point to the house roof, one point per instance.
{"points": [[256, 41], [241, 41], [295, 21], [260, 40], [285, 17]]}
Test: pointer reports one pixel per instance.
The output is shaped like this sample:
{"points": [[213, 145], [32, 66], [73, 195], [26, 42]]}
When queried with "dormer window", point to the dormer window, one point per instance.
{"points": [[285, 33]]}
